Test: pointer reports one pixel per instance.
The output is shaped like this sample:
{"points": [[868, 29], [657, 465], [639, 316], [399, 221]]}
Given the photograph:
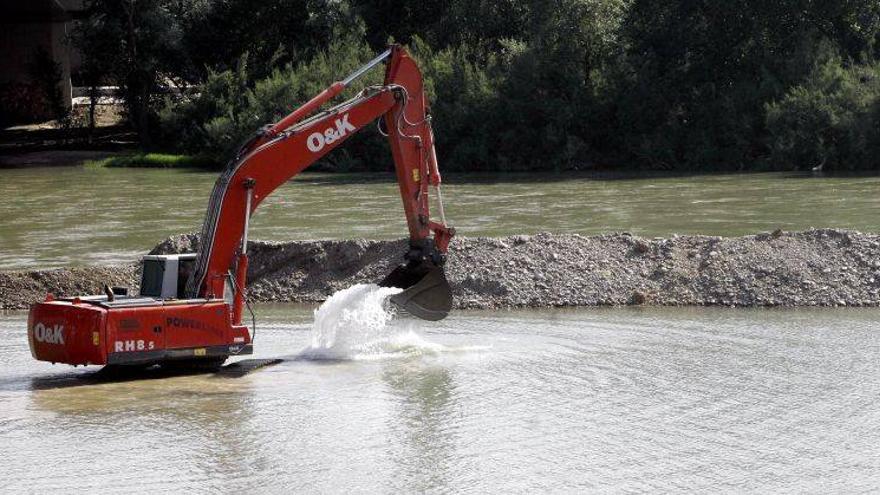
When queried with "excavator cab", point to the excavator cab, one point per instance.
{"points": [[165, 276]]}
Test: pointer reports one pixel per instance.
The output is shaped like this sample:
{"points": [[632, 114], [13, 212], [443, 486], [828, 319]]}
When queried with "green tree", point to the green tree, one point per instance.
{"points": [[137, 43], [229, 108], [696, 75], [550, 84], [273, 34], [46, 74], [831, 121], [478, 24]]}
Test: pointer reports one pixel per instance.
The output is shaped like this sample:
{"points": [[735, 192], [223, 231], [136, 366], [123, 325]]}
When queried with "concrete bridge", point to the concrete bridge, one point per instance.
{"points": [[26, 28]]}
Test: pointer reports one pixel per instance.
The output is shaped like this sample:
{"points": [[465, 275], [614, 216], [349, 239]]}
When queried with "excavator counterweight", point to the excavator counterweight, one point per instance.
{"points": [[190, 306]]}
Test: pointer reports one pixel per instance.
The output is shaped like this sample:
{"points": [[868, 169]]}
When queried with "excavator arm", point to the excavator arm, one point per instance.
{"points": [[281, 151], [202, 328]]}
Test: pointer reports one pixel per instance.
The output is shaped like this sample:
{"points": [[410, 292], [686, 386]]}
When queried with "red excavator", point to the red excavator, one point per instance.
{"points": [[189, 310]]}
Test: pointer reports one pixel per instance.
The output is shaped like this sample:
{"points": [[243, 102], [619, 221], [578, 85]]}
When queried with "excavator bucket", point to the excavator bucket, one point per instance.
{"points": [[426, 292]]}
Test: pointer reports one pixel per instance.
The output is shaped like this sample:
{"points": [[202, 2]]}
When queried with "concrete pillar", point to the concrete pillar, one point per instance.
{"points": [[60, 51]]}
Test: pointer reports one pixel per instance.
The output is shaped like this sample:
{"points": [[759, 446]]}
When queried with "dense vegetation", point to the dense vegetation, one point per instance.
{"points": [[517, 84]]}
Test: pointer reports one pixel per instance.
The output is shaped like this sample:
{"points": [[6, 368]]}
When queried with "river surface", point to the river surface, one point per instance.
{"points": [[594, 399], [607, 400], [54, 217]]}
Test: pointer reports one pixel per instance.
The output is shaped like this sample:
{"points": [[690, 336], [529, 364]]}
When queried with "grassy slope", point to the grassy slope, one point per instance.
{"points": [[152, 160]]}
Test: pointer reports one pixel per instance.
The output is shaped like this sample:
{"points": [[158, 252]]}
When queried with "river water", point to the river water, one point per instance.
{"points": [[74, 216], [565, 400], [610, 400]]}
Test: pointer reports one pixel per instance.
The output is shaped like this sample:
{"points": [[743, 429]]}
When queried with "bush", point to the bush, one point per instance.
{"points": [[515, 84], [210, 121], [22, 103], [45, 75], [560, 84], [151, 160], [531, 104], [830, 120], [229, 108], [524, 105], [464, 103]]}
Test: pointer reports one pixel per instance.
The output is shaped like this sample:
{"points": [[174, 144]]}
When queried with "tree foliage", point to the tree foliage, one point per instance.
{"points": [[832, 120], [135, 44], [231, 106], [273, 33], [528, 84]]}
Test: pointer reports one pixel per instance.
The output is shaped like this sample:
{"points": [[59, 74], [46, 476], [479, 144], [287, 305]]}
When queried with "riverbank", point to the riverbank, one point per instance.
{"points": [[811, 268], [111, 144], [96, 159]]}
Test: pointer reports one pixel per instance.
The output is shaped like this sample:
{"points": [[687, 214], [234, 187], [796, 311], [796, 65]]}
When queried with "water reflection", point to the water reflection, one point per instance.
{"points": [[424, 419], [81, 231], [93, 378], [207, 420], [605, 400]]}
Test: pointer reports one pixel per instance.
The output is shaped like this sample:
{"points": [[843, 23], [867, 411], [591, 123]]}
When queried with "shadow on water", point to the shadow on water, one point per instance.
{"points": [[319, 177], [99, 377], [425, 421], [452, 178], [110, 374], [213, 419]]}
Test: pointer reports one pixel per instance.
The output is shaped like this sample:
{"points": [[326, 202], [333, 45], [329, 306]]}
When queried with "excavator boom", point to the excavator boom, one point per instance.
{"points": [[300, 139], [190, 306]]}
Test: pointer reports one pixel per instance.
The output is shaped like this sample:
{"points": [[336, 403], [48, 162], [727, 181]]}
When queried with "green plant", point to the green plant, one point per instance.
{"points": [[152, 160], [47, 76], [830, 120], [229, 107]]}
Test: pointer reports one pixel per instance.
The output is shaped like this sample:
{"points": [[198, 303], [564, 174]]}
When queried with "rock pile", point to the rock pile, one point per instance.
{"points": [[823, 267]]}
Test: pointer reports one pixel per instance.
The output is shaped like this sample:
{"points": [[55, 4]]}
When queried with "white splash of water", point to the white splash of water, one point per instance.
{"points": [[357, 324]]}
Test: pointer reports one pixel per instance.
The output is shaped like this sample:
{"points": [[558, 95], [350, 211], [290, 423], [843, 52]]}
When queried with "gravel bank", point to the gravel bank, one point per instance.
{"points": [[811, 268]]}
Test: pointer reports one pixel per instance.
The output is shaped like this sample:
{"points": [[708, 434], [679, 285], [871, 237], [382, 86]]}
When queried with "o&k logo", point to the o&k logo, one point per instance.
{"points": [[318, 140], [49, 335]]}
